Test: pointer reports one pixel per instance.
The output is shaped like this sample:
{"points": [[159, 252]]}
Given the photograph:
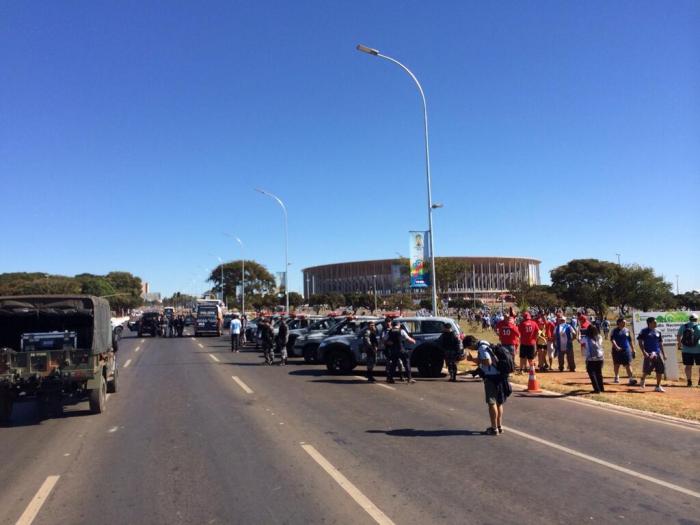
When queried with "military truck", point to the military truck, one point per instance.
{"points": [[56, 346]]}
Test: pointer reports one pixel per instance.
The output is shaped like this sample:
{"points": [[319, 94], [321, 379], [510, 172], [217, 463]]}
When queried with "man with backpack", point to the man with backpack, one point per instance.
{"points": [[688, 339], [495, 365], [450, 344]]}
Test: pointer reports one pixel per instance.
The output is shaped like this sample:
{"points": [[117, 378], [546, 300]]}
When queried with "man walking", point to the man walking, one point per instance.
{"points": [[267, 337], [496, 386], [452, 348], [622, 351], [394, 342], [688, 339], [564, 336], [370, 344], [235, 328], [281, 340], [652, 346]]}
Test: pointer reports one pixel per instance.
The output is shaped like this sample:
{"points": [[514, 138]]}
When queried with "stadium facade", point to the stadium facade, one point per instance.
{"points": [[485, 276]]}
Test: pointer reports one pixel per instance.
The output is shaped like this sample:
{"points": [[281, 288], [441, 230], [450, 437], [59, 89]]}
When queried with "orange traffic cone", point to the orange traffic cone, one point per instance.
{"points": [[533, 385]]}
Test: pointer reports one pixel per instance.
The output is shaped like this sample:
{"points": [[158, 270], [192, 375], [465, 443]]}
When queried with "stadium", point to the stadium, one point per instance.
{"points": [[483, 277]]}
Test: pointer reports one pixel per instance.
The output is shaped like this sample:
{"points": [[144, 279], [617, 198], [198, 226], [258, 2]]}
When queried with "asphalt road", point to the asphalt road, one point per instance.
{"points": [[184, 442]]}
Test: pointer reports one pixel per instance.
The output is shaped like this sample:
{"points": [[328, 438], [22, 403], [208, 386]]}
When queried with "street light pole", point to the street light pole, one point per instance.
{"points": [[239, 241], [677, 289], [618, 259], [376, 53], [286, 244], [374, 284]]}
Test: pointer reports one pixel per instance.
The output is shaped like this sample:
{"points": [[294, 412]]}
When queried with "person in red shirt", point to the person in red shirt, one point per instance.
{"points": [[508, 334], [545, 348], [528, 341]]}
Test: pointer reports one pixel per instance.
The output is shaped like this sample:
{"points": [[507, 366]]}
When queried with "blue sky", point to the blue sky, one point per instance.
{"points": [[133, 134]]}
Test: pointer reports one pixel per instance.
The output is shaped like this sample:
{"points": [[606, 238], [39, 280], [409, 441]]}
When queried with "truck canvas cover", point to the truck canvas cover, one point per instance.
{"points": [[87, 316]]}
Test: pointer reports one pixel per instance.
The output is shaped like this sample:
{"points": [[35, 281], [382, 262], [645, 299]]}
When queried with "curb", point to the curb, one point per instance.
{"points": [[688, 423]]}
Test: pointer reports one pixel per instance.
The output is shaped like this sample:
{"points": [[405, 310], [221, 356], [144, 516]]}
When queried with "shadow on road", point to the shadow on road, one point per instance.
{"points": [[26, 414], [412, 432], [341, 381]]}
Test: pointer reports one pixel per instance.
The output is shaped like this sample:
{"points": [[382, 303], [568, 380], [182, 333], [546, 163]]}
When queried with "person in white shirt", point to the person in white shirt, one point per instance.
{"points": [[494, 388], [235, 333], [592, 348]]}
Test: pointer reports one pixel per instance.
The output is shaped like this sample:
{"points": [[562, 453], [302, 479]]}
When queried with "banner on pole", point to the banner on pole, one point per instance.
{"points": [[418, 254]]}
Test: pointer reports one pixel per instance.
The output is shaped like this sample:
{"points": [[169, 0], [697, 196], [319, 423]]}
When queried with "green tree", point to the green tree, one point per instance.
{"points": [[690, 300], [640, 288], [542, 296], [127, 290], [588, 283], [334, 300], [449, 272], [258, 280], [318, 301], [295, 300], [95, 285], [400, 301]]}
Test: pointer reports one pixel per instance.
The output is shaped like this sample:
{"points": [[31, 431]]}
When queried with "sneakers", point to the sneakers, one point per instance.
{"points": [[659, 389], [689, 384], [616, 380], [491, 431], [632, 382]]}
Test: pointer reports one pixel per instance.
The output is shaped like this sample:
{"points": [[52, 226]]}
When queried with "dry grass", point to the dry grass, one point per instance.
{"points": [[678, 401]]}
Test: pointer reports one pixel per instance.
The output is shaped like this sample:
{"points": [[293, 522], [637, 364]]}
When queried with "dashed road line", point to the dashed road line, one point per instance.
{"points": [[604, 463], [113, 429], [137, 349], [128, 362], [200, 345], [30, 513], [355, 493], [240, 383], [375, 383], [214, 358], [142, 341]]}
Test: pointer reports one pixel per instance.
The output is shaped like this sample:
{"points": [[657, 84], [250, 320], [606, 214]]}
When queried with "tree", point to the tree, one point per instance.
{"points": [[689, 300], [542, 296], [640, 288], [449, 271], [400, 301], [359, 300], [258, 280], [318, 301], [586, 282], [334, 300], [128, 288], [295, 299], [95, 285]]}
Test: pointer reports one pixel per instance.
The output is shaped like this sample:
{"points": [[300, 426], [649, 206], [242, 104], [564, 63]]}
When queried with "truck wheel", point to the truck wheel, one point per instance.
{"points": [[112, 385], [98, 397], [5, 408], [339, 362], [310, 354]]}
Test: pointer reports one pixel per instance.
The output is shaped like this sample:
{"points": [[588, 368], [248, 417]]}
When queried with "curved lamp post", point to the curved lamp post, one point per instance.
{"points": [[239, 241], [431, 204], [286, 244]]}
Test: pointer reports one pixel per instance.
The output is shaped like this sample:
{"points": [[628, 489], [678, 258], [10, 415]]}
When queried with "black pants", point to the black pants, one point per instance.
{"points": [[451, 366], [235, 342], [394, 359], [595, 372]]}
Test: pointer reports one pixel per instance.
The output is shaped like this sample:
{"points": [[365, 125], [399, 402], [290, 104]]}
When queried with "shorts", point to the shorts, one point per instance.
{"points": [[623, 357], [542, 347], [527, 351], [653, 365], [690, 359], [493, 392]]}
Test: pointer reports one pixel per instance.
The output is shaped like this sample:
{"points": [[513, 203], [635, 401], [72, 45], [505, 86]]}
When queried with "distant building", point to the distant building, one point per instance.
{"points": [[486, 276], [152, 297]]}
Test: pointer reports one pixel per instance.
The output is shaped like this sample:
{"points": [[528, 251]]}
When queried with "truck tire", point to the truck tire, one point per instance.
{"points": [[310, 354], [113, 384], [339, 362], [98, 397], [6, 403]]}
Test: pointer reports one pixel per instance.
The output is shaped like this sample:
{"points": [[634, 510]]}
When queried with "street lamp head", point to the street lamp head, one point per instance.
{"points": [[367, 50], [437, 205]]}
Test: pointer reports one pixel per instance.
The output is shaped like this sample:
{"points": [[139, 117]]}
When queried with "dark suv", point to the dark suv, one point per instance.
{"points": [[149, 324]]}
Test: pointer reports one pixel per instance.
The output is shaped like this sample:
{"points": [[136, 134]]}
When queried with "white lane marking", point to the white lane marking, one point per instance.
{"points": [[137, 349], [214, 358], [142, 341], [128, 362], [240, 383], [362, 500], [200, 345], [108, 396], [604, 463], [113, 429], [66, 454], [378, 384], [194, 339], [35, 505]]}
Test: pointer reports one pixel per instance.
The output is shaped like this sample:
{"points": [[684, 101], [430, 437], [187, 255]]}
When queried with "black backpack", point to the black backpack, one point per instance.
{"points": [[689, 337], [503, 360]]}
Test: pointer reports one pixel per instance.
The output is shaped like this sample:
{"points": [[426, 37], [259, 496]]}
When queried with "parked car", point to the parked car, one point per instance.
{"points": [[306, 344], [342, 352], [53, 346]]}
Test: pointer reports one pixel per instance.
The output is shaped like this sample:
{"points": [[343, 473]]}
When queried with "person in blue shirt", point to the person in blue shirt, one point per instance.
{"points": [[564, 336], [622, 351], [652, 346]]}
